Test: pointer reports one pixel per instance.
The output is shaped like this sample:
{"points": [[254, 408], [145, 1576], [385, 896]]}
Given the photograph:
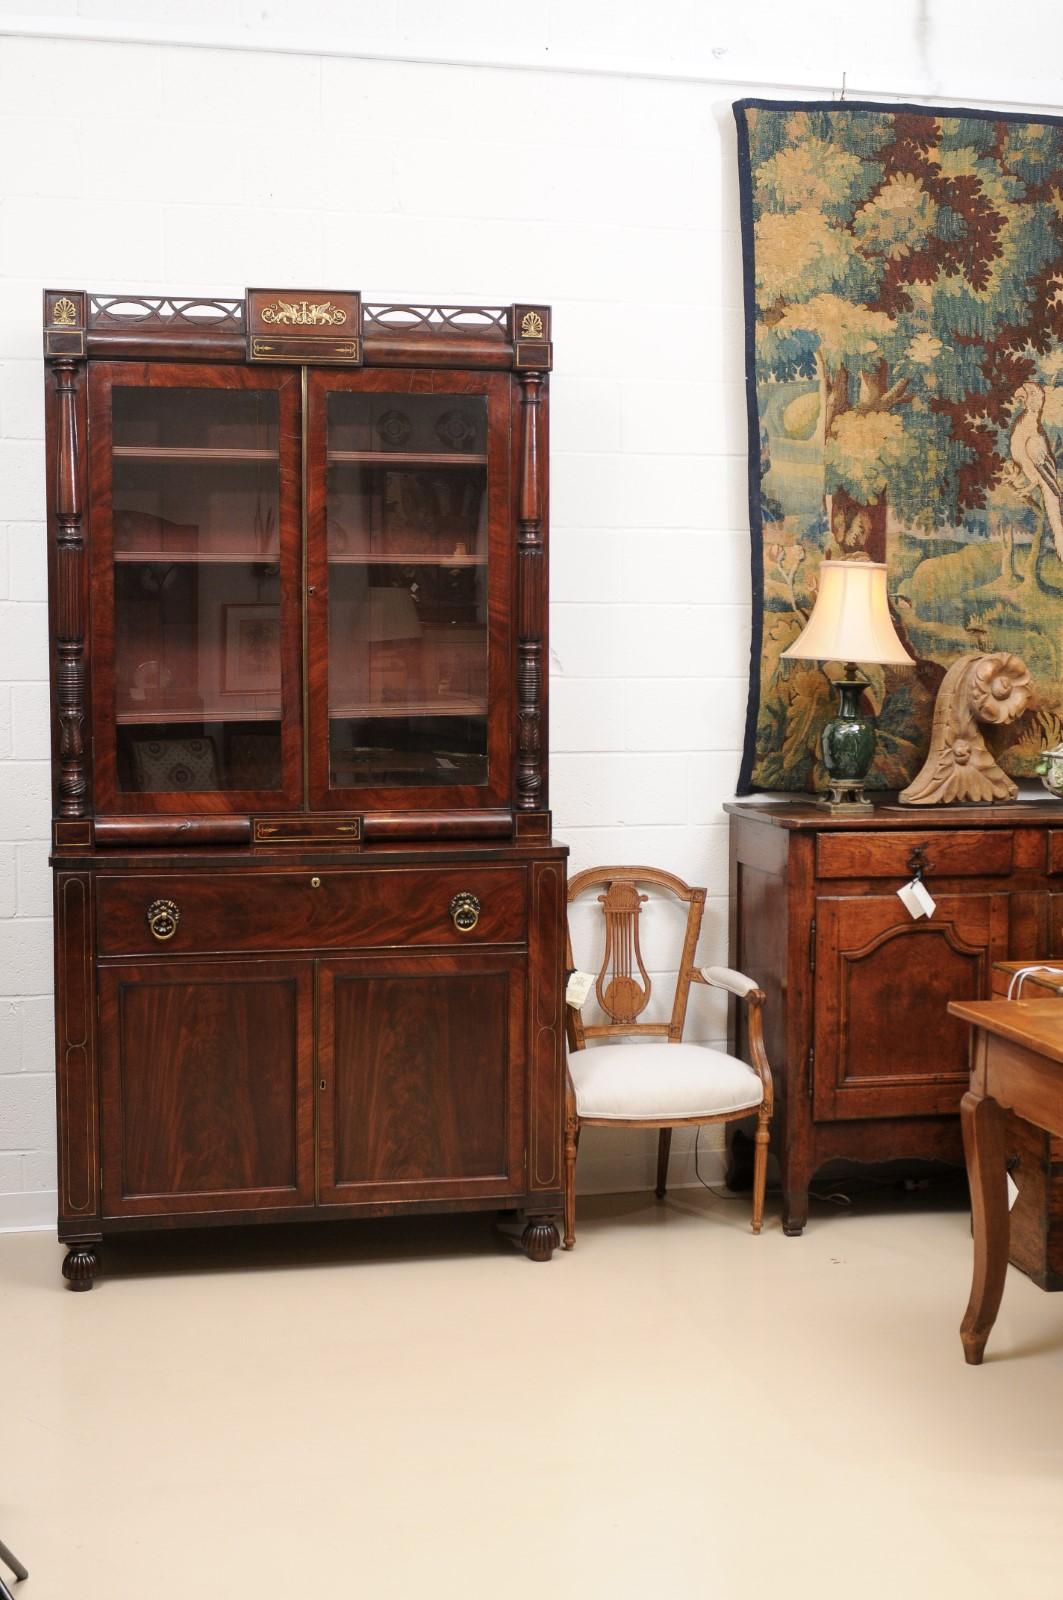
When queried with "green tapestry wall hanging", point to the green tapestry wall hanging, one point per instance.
{"points": [[904, 328]]}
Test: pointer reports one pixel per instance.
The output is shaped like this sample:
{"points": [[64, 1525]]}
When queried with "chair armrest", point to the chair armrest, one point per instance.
{"points": [[727, 978], [749, 990]]}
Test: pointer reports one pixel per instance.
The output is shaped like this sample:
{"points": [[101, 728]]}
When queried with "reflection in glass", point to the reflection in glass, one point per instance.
{"points": [[407, 547], [197, 589]]}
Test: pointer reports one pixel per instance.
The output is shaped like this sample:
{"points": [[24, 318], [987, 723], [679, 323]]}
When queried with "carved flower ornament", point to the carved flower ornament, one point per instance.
{"points": [[1000, 688]]}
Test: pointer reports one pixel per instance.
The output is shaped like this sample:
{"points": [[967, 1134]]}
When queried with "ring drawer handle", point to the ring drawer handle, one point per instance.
{"points": [[163, 917], [465, 911], [919, 862]]}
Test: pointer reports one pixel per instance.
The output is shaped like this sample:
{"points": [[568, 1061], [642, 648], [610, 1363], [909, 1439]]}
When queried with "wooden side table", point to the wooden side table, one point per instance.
{"points": [[1016, 1065]]}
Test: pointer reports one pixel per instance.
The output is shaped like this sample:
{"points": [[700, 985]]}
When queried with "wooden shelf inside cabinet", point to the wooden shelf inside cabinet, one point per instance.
{"points": [[159, 452], [167, 558], [155, 716], [406, 558], [404, 458], [459, 706]]}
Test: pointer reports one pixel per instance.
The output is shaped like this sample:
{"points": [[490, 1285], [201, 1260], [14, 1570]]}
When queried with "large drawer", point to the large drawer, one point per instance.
{"points": [[965, 853], [306, 910]]}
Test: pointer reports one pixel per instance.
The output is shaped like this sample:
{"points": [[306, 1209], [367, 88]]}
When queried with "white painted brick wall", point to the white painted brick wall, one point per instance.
{"points": [[163, 167]]}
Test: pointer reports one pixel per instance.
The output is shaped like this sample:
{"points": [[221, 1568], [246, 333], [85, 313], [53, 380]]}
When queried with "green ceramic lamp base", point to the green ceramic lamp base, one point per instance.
{"points": [[848, 749]]}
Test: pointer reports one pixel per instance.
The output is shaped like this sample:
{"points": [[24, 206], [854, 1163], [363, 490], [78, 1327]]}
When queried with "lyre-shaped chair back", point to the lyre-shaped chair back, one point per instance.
{"points": [[623, 986]]}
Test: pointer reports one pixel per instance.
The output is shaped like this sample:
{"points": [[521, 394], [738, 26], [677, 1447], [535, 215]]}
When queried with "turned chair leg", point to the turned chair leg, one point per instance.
{"points": [[16, 1567], [760, 1169], [571, 1151], [664, 1145]]}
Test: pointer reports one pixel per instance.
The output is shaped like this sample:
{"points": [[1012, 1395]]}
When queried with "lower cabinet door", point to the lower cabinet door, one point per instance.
{"points": [[421, 1077], [207, 1085], [885, 1045]]}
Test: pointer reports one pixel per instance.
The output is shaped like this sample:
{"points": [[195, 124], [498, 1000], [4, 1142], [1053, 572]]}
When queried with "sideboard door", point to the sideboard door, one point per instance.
{"points": [[206, 1072], [421, 1069], [885, 1045]]}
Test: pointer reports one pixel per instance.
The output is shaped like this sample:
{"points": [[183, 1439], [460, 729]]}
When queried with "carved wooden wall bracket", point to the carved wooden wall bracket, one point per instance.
{"points": [[990, 690]]}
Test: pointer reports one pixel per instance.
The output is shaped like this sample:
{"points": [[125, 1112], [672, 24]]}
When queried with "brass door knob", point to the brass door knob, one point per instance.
{"points": [[465, 911], [163, 917]]}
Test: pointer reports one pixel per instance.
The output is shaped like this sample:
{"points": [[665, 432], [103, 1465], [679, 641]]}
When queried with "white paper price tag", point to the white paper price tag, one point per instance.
{"points": [[578, 988], [916, 899], [924, 897]]}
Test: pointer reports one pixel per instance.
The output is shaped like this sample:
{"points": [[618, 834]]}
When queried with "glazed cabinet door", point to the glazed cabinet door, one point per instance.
{"points": [[196, 541], [421, 1072], [885, 1045], [410, 579], [207, 1084]]}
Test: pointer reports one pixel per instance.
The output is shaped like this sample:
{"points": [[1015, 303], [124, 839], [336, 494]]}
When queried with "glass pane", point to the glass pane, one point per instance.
{"points": [[197, 589], [407, 550]]}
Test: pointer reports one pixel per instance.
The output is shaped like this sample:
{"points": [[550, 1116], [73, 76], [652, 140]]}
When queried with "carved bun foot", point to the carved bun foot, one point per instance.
{"points": [[80, 1267], [540, 1238]]}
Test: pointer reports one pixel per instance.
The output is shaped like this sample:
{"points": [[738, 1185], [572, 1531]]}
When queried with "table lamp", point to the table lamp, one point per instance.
{"points": [[850, 622]]}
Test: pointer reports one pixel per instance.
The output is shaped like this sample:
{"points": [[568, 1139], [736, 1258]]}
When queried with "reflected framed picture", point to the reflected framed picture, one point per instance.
{"points": [[251, 649]]}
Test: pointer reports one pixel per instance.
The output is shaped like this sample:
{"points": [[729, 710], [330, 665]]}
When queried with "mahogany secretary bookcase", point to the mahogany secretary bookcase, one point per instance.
{"points": [[308, 910]]}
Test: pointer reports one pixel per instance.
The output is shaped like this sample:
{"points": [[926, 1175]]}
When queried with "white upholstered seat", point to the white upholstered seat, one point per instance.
{"points": [[659, 1082], [642, 1074]]}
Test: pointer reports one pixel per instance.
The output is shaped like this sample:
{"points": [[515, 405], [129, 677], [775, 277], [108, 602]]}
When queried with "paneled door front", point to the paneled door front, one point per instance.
{"points": [[421, 1066], [885, 1045], [206, 1076]]}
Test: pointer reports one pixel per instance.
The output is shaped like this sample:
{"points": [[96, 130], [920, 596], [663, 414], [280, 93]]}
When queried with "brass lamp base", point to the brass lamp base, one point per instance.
{"points": [[846, 799]]}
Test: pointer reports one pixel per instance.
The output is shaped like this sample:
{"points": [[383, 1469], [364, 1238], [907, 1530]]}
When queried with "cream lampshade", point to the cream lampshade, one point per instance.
{"points": [[850, 622]]}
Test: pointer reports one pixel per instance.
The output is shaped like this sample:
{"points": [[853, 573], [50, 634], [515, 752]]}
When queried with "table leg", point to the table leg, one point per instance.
{"points": [[983, 1142]]}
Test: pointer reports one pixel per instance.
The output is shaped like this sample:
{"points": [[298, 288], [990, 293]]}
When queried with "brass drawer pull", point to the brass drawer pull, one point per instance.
{"points": [[163, 917], [465, 911]]}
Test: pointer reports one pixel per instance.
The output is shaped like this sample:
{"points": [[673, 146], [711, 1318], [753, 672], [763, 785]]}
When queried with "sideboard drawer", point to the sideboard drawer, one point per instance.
{"points": [[307, 910], [1055, 851], [970, 853]]}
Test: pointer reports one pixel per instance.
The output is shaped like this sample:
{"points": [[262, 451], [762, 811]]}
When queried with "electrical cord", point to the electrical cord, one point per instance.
{"points": [[830, 1196]]}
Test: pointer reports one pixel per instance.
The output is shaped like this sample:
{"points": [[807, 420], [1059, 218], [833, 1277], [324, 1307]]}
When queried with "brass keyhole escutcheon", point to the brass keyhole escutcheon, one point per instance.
{"points": [[315, 883], [465, 911], [163, 917]]}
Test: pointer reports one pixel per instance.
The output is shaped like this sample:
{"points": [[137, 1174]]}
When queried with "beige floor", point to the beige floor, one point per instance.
{"points": [[675, 1410]]}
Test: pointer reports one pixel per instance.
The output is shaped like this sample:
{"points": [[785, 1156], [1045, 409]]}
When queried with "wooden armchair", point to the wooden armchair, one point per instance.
{"points": [[655, 1080]]}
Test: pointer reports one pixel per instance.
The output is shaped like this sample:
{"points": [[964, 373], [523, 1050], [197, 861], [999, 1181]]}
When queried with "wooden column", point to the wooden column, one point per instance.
{"points": [[70, 595], [531, 579]]}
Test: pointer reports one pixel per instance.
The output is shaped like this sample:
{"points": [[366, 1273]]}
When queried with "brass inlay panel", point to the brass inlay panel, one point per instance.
{"points": [[65, 313], [303, 314], [299, 349], [307, 833], [531, 325]]}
